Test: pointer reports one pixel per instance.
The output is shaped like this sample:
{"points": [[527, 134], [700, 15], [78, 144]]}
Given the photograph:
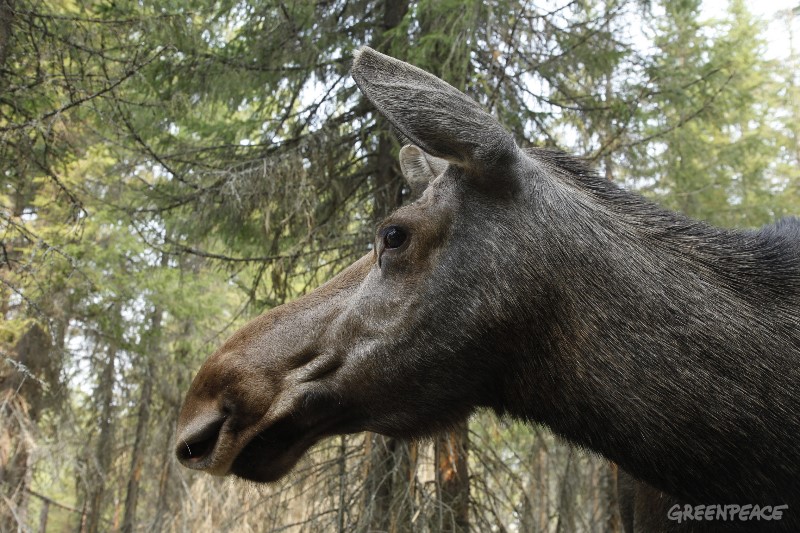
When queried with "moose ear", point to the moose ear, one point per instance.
{"points": [[419, 168], [434, 115]]}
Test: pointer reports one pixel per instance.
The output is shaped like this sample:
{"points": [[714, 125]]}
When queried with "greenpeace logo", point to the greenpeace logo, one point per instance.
{"points": [[732, 512]]}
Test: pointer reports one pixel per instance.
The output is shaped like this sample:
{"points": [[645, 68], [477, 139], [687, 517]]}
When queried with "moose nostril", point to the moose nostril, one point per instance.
{"points": [[198, 443], [196, 451]]}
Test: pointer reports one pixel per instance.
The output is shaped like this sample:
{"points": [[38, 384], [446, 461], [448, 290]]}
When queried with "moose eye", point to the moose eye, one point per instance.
{"points": [[394, 237]]}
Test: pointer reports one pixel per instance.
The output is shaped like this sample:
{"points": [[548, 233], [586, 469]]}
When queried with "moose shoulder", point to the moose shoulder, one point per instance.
{"points": [[522, 282]]}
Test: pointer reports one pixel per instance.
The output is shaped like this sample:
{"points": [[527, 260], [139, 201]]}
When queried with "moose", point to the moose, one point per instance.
{"points": [[522, 282]]}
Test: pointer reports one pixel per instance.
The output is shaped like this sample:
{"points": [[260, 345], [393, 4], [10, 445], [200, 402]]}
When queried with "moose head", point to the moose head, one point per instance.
{"points": [[522, 282], [407, 339]]}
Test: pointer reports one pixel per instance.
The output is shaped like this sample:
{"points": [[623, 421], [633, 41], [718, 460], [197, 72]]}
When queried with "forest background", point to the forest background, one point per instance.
{"points": [[171, 168]]}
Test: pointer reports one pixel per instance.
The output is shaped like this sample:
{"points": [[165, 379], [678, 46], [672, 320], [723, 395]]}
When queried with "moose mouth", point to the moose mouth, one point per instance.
{"points": [[272, 453], [221, 444]]}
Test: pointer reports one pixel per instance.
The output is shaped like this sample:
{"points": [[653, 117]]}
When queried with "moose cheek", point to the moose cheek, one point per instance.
{"points": [[393, 262], [392, 257]]}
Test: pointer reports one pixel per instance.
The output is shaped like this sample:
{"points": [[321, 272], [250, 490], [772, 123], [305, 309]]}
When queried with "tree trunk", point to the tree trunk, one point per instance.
{"points": [[534, 516], [137, 457], [567, 495], [150, 350], [452, 479], [43, 516], [15, 448], [389, 484], [609, 498], [6, 22], [100, 467], [168, 481], [166, 475]]}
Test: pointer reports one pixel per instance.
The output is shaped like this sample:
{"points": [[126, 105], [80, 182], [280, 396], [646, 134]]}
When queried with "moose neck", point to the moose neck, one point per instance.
{"points": [[664, 344]]}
